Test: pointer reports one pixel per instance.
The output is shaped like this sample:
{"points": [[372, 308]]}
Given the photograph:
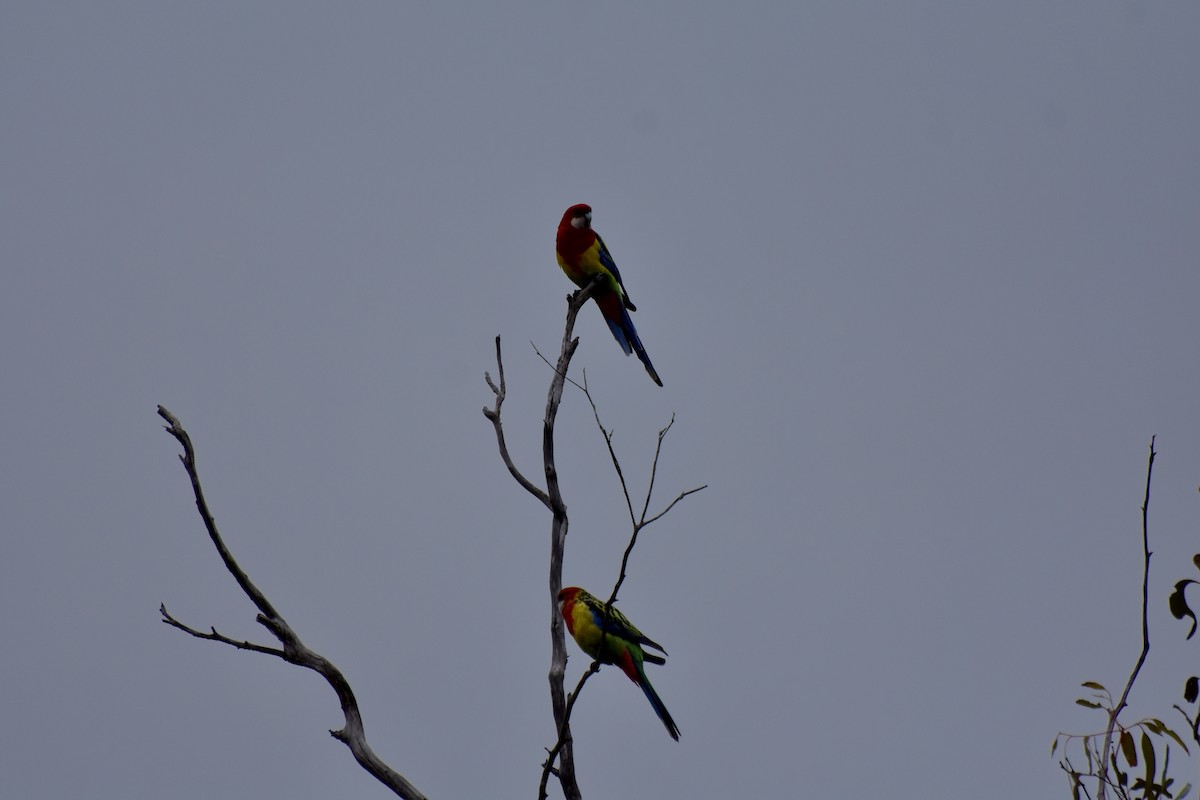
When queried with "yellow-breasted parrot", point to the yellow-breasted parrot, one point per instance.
{"points": [[613, 641], [582, 255]]}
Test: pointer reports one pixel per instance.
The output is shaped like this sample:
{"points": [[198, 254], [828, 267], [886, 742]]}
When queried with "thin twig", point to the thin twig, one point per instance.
{"points": [[564, 731], [636, 523], [612, 454], [213, 636], [294, 651], [1116, 710], [654, 465], [1076, 784], [672, 505]]}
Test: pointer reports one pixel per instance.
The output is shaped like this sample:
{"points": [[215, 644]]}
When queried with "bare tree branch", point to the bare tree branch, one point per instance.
{"points": [[671, 505], [213, 636], [563, 704], [493, 414], [558, 542], [552, 499], [564, 731], [294, 651], [1116, 710], [637, 525]]}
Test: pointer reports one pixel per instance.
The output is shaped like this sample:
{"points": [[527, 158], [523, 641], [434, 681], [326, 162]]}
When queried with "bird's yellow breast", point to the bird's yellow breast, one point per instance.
{"points": [[585, 267], [585, 630]]}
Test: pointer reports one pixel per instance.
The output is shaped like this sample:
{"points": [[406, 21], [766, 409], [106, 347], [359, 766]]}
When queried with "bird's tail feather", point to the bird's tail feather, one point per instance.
{"points": [[621, 325], [618, 333], [659, 708], [641, 352]]}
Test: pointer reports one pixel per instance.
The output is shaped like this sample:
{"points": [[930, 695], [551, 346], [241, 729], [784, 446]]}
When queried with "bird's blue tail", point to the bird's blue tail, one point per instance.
{"points": [[659, 708], [627, 336]]}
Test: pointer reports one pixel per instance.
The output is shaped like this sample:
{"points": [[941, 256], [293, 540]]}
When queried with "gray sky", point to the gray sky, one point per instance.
{"points": [[920, 278]]}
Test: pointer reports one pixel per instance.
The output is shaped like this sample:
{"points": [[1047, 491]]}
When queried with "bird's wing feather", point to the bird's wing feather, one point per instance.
{"points": [[606, 261], [619, 625]]}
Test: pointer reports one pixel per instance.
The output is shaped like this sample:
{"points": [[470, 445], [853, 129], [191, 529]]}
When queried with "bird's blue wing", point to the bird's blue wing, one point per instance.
{"points": [[606, 261]]}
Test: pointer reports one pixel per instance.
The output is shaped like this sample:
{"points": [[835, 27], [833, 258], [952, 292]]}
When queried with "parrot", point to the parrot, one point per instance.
{"points": [[582, 255], [617, 643]]}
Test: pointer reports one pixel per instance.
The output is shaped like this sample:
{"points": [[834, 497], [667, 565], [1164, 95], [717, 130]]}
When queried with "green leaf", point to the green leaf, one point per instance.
{"points": [[1093, 685], [1175, 736], [1148, 756], [1053, 745], [1179, 605], [1128, 749], [1087, 703], [1187, 787]]}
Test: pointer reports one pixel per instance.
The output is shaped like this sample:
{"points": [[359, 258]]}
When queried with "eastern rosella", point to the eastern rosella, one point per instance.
{"points": [[582, 255], [618, 643]]}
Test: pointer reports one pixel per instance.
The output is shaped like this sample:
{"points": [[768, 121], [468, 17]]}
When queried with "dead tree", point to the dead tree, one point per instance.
{"points": [[294, 651]]}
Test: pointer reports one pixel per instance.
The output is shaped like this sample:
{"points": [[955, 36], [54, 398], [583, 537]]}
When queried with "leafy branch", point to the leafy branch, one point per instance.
{"points": [[1107, 767]]}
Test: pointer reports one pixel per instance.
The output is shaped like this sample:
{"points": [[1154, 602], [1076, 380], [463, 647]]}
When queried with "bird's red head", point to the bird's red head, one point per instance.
{"points": [[577, 216], [567, 597]]}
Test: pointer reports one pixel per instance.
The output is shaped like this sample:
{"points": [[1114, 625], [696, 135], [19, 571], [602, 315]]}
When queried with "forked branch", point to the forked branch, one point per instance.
{"points": [[293, 651], [551, 497], [638, 523]]}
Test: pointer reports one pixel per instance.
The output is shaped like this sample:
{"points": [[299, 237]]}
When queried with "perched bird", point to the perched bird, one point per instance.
{"points": [[582, 255], [613, 641]]}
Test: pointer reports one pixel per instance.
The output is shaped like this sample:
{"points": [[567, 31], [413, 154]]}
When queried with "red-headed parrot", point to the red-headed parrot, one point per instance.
{"points": [[582, 255], [616, 642]]}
